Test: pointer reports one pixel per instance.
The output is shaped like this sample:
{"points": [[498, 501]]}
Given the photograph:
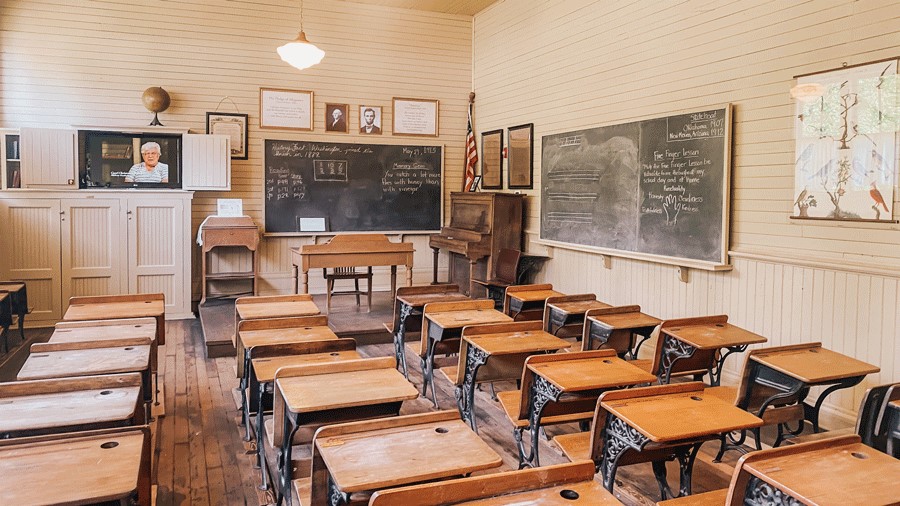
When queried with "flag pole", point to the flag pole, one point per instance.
{"points": [[471, 158]]}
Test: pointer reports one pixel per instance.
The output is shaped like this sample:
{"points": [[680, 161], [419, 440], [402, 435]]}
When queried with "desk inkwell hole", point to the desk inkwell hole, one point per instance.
{"points": [[108, 445], [40, 355], [857, 455], [441, 430], [720, 325], [813, 350], [568, 494], [334, 354], [696, 398], [129, 348], [147, 302], [106, 392], [607, 361]]}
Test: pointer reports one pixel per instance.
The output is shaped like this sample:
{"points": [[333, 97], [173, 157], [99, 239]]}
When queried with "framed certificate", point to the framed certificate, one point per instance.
{"points": [[492, 160], [521, 157], [416, 116], [285, 109], [234, 126]]}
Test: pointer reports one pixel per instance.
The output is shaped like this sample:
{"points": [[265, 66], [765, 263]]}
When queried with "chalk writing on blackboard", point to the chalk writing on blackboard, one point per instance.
{"points": [[330, 170]]}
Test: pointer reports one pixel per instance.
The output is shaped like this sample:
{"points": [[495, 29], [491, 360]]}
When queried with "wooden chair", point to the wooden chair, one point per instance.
{"points": [[504, 275], [348, 273], [18, 292], [570, 481], [763, 398], [870, 422]]}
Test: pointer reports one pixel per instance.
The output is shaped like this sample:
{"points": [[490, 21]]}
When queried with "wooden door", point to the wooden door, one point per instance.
{"points": [[157, 255], [29, 251], [93, 247]]}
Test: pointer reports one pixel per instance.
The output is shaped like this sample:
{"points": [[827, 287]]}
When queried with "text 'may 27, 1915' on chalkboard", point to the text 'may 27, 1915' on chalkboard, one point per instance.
{"points": [[351, 187], [656, 189]]}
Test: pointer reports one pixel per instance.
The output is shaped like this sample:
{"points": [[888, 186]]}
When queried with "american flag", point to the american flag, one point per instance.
{"points": [[471, 155]]}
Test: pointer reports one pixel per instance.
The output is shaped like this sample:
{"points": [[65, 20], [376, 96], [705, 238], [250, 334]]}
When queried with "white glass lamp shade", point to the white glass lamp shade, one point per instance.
{"points": [[301, 53]]}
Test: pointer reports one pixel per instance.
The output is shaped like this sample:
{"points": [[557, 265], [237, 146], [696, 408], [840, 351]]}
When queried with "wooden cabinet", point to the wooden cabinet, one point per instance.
{"points": [[10, 161], [65, 244], [48, 158]]}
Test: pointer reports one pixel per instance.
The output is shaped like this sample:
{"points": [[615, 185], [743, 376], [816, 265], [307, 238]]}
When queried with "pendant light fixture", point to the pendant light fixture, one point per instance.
{"points": [[301, 53]]}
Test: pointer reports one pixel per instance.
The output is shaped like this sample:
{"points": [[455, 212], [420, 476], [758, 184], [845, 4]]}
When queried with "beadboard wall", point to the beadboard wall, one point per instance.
{"points": [[86, 63], [571, 64]]}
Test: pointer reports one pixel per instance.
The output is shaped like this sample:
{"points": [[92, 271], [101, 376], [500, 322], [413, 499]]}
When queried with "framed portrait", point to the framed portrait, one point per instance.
{"points": [[521, 157], [281, 109], [416, 116], [234, 126], [336, 118], [370, 120], [492, 160], [475, 182]]}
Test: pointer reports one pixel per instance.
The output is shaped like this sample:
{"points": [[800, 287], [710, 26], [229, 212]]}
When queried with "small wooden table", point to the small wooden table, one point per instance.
{"points": [[630, 322], [506, 348], [588, 377], [218, 231], [836, 473], [801, 367], [411, 306], [307, 397], [18, 293], [352, 250], [684, 419], [84, 468], [527, 300], [446, 325], [403, 456], [569, 312], [683, 341], [31, 408]]}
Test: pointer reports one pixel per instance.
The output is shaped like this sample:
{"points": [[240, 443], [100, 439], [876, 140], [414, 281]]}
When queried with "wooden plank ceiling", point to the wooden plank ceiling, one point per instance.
{"points": [[466, 7]]}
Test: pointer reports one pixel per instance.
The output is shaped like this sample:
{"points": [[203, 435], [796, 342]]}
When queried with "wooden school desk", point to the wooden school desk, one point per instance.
{"points": [[410, 306], [336, 391], [18, 298], [80, 468], [521, 298], [31, 408], [117, 307], [797, 368], [387, 453], [268, 307], [352, 250], [892, 419], [584, 376], [444, 325], [605, 325], [637, 420], [832, 472], [562, 484], [569, 310], [712, 333], [499, 351], [6, 312]]}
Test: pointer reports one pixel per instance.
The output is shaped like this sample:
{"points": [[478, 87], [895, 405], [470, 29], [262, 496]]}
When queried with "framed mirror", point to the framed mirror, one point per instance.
{"points": [[521, 157], [492, 160]]}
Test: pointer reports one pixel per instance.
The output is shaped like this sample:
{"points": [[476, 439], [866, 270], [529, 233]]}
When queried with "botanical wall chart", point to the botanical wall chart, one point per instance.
{"points": [[846, 153]]}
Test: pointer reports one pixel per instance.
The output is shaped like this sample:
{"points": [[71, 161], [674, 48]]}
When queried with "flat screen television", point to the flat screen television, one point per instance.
{"points": [[105, 160]]}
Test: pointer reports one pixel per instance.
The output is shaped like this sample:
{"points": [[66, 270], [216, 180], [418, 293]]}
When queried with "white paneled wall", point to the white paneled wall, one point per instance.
{"points": [[571, 64], [65, 63]]}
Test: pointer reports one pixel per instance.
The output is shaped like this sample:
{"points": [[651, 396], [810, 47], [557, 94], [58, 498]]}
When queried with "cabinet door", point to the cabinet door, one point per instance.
{"points": [[156, 249], [48, 158], [29, 251], [207, 162], [93, 252]]}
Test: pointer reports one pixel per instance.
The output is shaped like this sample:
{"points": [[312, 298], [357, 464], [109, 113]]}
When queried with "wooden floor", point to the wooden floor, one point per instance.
{"points": [[202, 459]]}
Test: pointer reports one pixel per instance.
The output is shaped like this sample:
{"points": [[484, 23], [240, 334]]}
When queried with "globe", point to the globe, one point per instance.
{"points": [[156, 100]]}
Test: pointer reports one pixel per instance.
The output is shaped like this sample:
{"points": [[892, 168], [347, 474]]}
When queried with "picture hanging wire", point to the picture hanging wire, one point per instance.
{"points": [[226, 97]]}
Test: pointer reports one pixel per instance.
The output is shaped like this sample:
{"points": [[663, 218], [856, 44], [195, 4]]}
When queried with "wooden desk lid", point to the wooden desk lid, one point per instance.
{"points": [[355, 243], [103, 330], [219, 222], [811, 363], [589, 370], [710, 332]]}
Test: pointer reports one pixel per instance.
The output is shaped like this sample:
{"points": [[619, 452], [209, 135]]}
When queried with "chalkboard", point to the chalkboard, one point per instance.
{"points": [[351, 187], [658, 187]]}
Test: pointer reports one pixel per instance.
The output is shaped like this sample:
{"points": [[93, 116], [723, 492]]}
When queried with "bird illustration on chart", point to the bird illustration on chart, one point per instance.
{"points": [[879, 201]]}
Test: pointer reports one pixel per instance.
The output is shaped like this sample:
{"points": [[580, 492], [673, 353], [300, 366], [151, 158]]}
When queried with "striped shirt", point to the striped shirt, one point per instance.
{"points": [[139, 174]]}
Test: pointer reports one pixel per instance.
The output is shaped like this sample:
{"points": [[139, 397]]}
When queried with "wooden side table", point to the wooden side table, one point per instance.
{"points": [[220, 231]]}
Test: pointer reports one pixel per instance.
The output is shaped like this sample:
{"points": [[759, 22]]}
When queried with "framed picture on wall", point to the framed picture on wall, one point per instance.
{"points": [[370, 120], [475, 182], [234, 126], [521, 157], [416, 116], [336, 118], [492, 160], [281, 109]]}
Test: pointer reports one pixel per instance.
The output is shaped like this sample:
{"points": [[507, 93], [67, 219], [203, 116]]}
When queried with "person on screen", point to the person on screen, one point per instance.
{"points": [[370, 127], [338, 123], [150, 170]]}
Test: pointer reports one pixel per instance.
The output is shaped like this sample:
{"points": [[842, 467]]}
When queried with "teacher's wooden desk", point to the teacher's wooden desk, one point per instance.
{"points": [[82, 468], [352, 250], [798, 367]]}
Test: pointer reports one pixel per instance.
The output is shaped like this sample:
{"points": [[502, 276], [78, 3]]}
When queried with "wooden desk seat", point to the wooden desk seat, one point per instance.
{"points": [[271, 331], [98, 466], [544, 485], [272, 306], [32, 408]]}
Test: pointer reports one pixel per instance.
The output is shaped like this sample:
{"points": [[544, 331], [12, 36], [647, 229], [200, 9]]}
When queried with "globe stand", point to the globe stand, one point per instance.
{"points": [[155, 121]]}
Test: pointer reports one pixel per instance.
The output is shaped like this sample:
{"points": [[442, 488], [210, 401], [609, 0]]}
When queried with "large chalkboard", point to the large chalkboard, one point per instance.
{"points": [[658, 187], [351, 187]]}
